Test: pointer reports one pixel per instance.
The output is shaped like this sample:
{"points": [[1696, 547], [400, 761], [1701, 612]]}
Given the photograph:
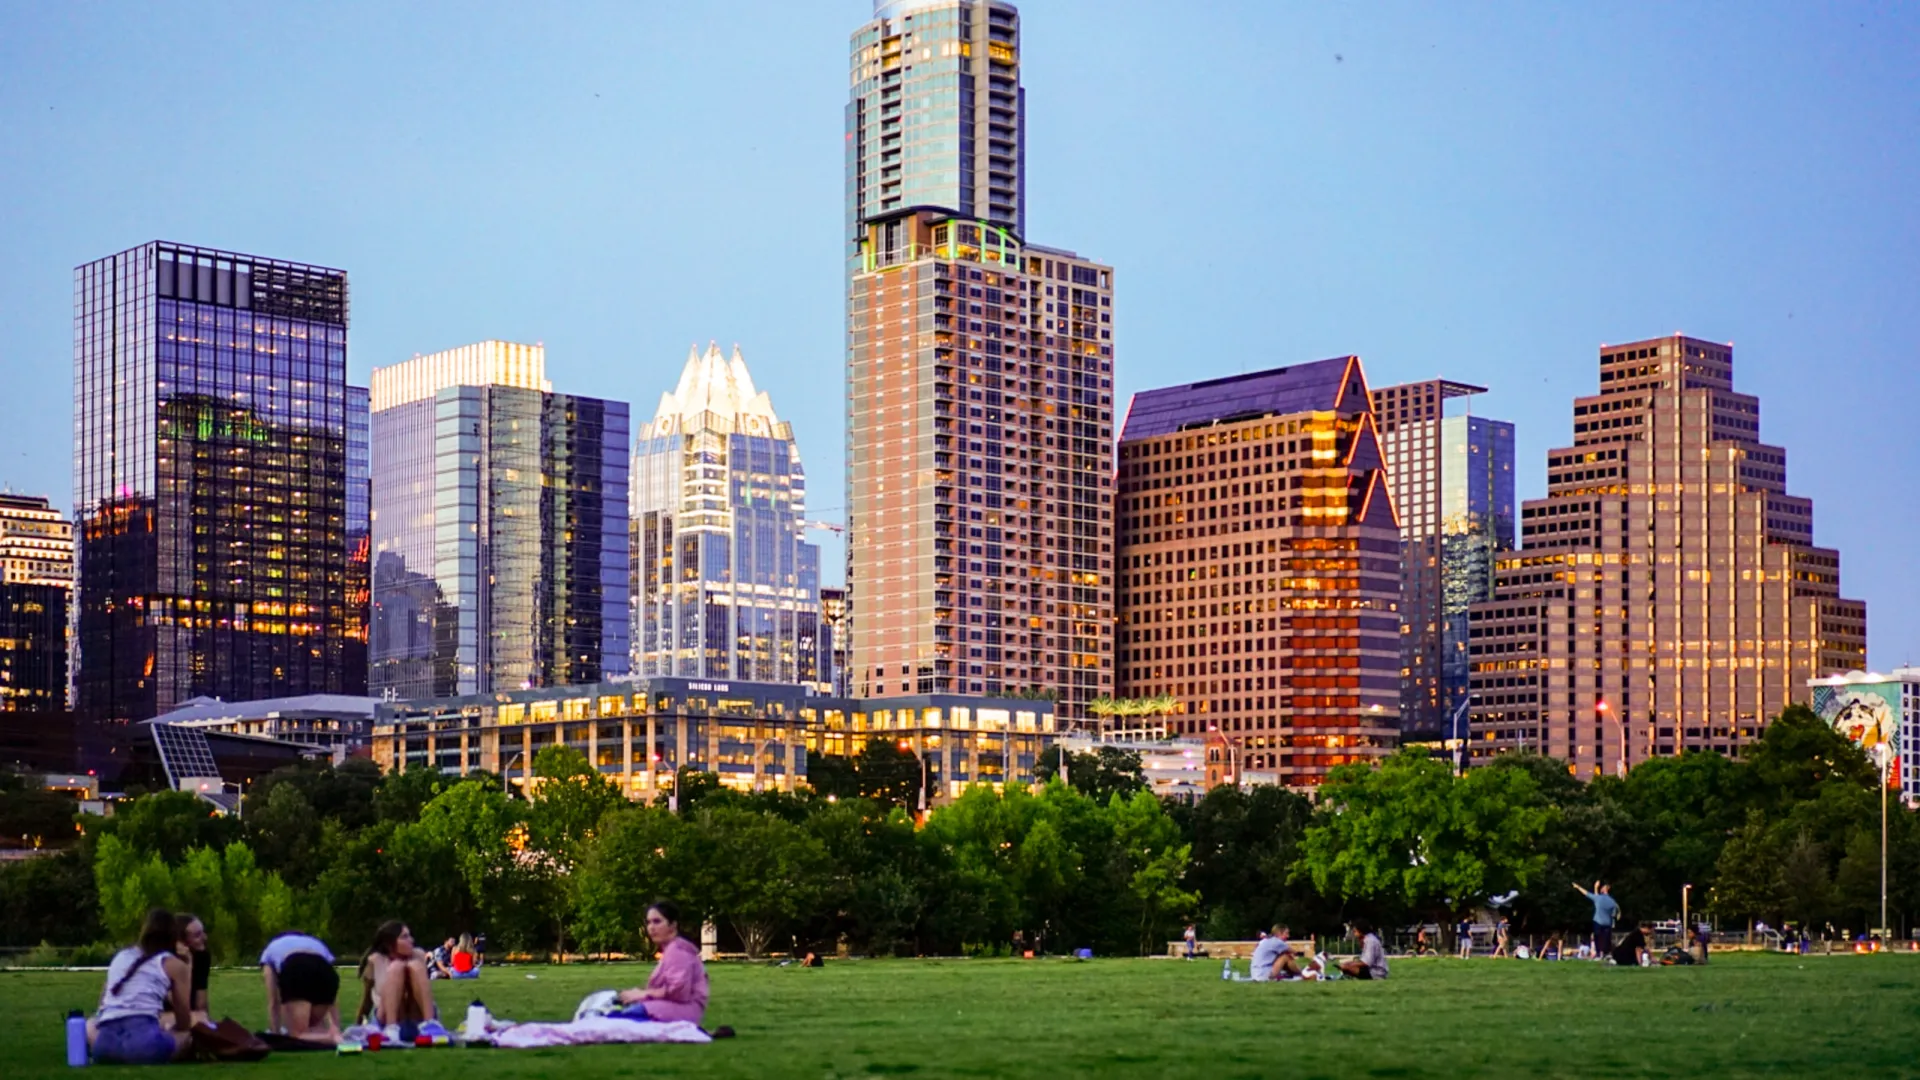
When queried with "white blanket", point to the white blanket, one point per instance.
{"points": [[597, 1029]]}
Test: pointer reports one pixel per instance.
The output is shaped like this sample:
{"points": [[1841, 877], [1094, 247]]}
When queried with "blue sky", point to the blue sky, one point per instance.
{"points": [[1484, 191]]}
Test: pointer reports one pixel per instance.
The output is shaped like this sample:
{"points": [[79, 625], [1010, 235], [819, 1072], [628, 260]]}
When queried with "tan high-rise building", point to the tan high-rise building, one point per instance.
{"points": [[1260, 569], [979, 381], [980, 465], [1667, 595], [36, 590]]}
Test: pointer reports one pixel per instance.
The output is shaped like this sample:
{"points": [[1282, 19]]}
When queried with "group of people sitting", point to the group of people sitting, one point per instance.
{"points": [[1276, 960], [156, 988]]}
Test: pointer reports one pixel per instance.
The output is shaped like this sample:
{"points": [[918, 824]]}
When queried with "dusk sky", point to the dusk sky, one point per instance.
{"points": [[1482, 191]]}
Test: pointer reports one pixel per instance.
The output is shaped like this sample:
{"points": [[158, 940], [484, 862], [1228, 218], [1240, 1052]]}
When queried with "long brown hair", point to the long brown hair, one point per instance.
{"points": [[157, 938]]}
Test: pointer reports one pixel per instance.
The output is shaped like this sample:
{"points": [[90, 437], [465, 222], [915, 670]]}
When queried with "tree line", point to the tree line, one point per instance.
{"points": [[1787, 833]]}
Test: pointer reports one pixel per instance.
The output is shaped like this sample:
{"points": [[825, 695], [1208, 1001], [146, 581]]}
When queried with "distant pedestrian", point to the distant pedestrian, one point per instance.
{"points": [[1500, 939], [1464, 933], [1193, 938], [1605, 912]]}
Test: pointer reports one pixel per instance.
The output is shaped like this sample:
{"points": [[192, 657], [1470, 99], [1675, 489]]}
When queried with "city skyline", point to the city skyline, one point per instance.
{"points": [[1775, 283]]}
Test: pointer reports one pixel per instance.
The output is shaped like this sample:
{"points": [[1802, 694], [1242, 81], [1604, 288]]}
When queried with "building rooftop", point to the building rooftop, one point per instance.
{"points": [[205, 708], [1319, 386]]}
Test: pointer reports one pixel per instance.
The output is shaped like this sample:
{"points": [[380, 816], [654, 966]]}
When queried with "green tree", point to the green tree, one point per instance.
{"points": [[1798, 754], [759, 872], [1407, 832], [167, 824], [1747, 878], [640, 854], [1154, 861], [1106, 772], [31, 816], [567, 802], [51, 898]]}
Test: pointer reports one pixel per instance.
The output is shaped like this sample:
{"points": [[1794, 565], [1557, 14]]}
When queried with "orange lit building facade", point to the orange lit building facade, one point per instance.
{"points": [[1260, 569]]}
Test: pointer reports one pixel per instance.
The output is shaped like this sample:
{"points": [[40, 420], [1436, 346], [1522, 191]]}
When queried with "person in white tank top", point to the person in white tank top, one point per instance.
{"points": [[144, 981]]}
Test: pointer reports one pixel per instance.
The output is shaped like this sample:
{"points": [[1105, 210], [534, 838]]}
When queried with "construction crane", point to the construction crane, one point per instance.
{"points": [[840, 530]]}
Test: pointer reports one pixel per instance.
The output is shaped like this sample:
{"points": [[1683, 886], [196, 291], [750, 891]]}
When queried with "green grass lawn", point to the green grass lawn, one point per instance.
{"points": [[1744, 1015]]}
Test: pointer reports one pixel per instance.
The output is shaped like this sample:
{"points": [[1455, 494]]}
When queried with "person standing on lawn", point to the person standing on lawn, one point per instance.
{"points": [[1605, 912]]}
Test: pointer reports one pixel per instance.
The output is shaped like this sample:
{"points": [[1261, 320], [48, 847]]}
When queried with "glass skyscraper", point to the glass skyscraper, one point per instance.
{"points": [[725, 585], [210, 480], [499, 527], [937, 116], [1452, 475]]}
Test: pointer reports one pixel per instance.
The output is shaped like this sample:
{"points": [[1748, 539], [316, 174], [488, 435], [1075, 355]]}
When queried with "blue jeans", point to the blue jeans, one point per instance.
{"points": [[132, 1040]]}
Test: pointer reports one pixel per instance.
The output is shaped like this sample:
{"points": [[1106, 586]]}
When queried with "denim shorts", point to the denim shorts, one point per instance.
{"points": [[132, 1040]]}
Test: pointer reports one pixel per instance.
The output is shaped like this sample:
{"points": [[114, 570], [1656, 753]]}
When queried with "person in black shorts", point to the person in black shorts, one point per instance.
{"points": [[303, 989]]}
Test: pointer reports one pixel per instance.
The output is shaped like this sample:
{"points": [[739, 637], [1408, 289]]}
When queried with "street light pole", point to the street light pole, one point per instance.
{"points": [[1886, 760]]}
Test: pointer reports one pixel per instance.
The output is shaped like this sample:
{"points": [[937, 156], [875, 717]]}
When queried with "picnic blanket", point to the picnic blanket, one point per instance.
{"points": [[597, 1029]]}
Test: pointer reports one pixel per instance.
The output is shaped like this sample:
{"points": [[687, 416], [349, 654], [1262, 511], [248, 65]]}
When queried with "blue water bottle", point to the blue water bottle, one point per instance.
{"points": [[76, 1038]]}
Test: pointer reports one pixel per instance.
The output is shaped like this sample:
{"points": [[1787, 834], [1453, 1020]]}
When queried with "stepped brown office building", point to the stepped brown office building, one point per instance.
{"points": [[1260, 566], [1667, 595], [979, 382]]}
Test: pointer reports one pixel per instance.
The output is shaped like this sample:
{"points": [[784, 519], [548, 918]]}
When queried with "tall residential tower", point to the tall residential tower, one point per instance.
{"points": [[979, 382], [499, 527], [210, 480], [1667, 595], [1452, 475], [725, 585]]}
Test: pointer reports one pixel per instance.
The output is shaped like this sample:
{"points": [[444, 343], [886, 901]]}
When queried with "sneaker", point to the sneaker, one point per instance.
{"points": [[433, 1029]]}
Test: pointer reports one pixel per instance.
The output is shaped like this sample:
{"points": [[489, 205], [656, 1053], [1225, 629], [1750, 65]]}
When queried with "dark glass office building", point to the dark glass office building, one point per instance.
{"points": [[210, 480], [500, 551]]}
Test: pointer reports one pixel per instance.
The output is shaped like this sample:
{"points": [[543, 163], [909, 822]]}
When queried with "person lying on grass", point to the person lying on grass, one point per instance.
{"points": [[677, 990], [393, 979]]}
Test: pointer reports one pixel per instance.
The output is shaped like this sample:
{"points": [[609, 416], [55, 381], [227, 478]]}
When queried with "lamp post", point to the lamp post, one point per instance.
{"points": [[1685, 894], [1606, 712]]}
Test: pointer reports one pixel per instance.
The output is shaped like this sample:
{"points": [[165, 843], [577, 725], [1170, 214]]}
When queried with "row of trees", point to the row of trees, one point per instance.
{"points": [[1789, 832]]}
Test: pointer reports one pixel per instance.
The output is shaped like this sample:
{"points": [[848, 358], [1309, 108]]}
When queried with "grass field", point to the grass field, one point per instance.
{"points": [[1744, 1015]]}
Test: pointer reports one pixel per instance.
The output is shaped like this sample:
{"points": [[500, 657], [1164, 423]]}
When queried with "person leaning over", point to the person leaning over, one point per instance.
{"points": [[190, 941], [677, 990], [303, 990], [143, 981], [1372, 961]]}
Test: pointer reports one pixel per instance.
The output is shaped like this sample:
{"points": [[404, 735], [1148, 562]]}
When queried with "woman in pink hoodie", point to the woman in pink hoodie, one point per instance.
{"points": [[678, 988]]}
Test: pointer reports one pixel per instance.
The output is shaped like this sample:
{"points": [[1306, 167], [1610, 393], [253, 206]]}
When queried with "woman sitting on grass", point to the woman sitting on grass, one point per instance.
{"points": [[393, 979], [678, 988], [190, 941], [143, 981]]}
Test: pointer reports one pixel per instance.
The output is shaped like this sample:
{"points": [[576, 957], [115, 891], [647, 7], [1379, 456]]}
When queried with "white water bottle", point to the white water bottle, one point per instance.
{"points": [[478, 1020], [1226, 969]]}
